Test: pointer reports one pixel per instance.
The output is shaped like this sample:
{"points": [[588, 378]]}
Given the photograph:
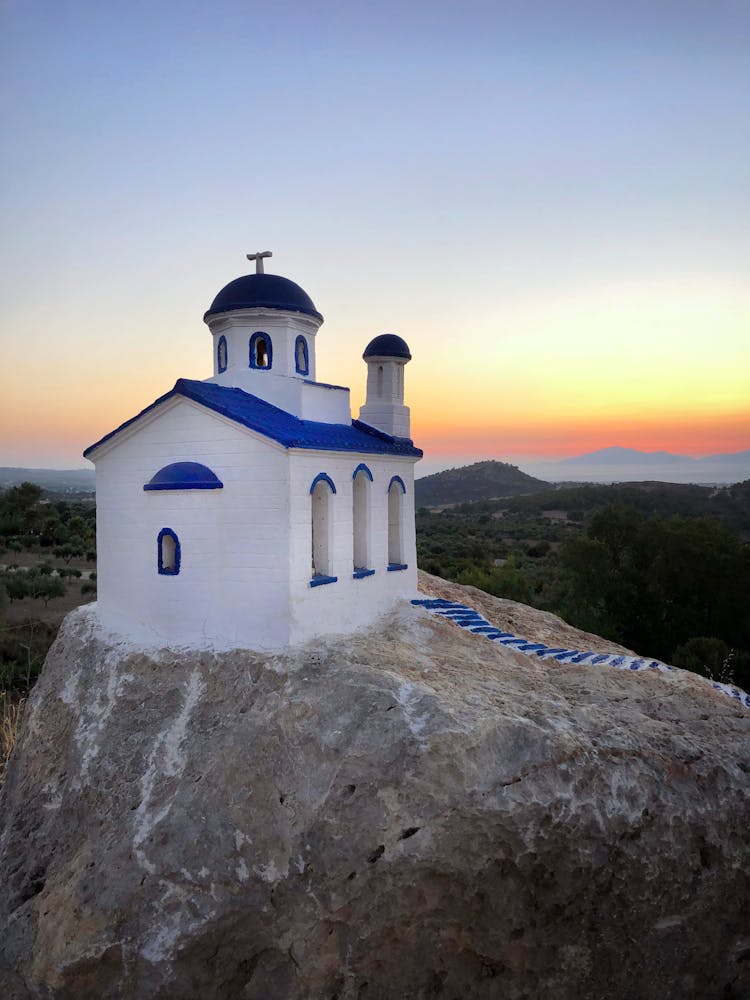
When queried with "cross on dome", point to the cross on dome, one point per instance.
{"points": [[258, 258]]}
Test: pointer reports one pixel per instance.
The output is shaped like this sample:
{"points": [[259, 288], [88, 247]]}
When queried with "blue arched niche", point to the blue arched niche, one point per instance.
{"points": [[301, 356], [362, 468], [221, 354], [184, 476], [169, 552]]}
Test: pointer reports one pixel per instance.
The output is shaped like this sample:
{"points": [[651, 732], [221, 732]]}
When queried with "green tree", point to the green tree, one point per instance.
{"points": [[705, 655], [44, 587]]}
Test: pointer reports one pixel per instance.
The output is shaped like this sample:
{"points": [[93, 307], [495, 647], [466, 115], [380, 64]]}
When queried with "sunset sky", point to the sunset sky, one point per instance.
{"points": [[550, 201]]}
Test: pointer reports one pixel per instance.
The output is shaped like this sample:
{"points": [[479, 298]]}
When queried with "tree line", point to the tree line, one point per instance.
{"points": [[52, 531], [669, 586]]}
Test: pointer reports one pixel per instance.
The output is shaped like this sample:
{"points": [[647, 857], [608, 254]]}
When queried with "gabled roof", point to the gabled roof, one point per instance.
{"points": [[278, 425]]}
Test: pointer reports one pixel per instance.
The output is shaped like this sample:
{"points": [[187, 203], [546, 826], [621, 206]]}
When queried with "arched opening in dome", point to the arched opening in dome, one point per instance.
{"points": [[380, 380], [261, 351], [221, 354], [301, 356], [361, 488], [168, 552]]}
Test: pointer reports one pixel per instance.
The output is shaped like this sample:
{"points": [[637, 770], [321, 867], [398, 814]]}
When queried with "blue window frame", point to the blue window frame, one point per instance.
{"points": [[261, 351], [362, 468], [221, 354], [169, 552], [301, 356], [323, 477], [399, 482]]}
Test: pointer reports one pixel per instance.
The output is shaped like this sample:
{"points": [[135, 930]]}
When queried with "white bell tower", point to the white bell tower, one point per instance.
{"points": [[384, 408]]}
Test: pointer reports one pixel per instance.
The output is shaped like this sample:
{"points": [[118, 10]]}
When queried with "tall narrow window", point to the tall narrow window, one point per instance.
{"points": [[168, 552], [396, 492], [261, 351], [380, 380], [301, 356], [321, 510], [221, 354], [361, 521]]}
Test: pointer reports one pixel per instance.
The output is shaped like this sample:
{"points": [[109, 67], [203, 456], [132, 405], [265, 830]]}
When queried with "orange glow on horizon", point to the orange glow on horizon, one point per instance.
{"points": [[564, 438]]}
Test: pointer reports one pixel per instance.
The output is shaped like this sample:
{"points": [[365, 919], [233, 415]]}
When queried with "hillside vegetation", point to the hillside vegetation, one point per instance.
{"points": [[47, 568], [662, 569], [481, 481]]}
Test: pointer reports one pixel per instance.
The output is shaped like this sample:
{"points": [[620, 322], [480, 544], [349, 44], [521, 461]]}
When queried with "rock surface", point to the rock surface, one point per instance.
{"points": [[409, 813]]}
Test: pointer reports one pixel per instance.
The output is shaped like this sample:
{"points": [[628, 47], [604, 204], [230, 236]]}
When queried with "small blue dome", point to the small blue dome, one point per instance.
{"points": [[387, 345], [268, 291], [184, 476]]}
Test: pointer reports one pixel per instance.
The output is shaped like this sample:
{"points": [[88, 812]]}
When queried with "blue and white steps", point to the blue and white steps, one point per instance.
{"points": [[469, 619]]}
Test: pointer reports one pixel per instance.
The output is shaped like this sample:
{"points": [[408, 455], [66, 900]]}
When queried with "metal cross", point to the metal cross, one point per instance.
{"points": [[258, 258]]}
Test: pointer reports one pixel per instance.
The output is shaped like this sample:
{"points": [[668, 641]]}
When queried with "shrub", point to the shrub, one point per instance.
{"points": [[11, 712]]}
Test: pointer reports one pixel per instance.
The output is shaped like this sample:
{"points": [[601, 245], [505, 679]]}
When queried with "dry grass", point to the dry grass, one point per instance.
{"points": [[11, 712]]}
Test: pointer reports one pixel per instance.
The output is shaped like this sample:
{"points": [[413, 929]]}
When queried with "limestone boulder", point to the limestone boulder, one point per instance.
{"points": [[412, 812]]}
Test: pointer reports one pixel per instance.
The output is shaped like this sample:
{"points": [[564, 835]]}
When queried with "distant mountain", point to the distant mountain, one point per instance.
{"points": [[738, 457], [626, 456], [616, 464], [631, 456], [481, 481], [57, 480]]}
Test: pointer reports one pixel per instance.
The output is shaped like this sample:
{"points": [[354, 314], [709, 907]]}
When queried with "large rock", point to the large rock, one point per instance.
{"points": [[413, 812]]}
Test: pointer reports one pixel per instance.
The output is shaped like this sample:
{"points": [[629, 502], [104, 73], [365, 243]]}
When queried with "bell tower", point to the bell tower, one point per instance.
{"points": [[384, 408]]}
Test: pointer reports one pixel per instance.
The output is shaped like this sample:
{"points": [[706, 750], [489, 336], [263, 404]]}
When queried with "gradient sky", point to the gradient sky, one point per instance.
{"points": [[549, 200]]}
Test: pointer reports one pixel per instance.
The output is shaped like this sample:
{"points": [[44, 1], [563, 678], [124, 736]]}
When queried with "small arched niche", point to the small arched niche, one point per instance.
{"points": [[322, 491], [221, 354], [184, 476], [169, 552], [396, 491], [361, 496], [301, 356]]}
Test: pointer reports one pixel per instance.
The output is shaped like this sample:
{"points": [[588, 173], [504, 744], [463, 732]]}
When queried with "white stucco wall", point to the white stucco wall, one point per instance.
{"points": [[232, 588], [348, 603], [245, 571]]}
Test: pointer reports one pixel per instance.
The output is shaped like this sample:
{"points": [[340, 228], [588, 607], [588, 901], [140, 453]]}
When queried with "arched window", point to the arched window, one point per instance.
{"points": [[168, 552], [261, 351], [221, 354], [301, 356], [361, 480], [380, 381], [321, 504], [396, 491]]}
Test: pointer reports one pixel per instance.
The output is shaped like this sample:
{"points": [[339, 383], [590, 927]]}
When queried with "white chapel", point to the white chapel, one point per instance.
{"points": [[249, 509]]}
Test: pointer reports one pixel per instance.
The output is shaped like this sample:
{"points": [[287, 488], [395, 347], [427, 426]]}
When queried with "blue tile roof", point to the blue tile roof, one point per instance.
{"points": [[267, 419]]}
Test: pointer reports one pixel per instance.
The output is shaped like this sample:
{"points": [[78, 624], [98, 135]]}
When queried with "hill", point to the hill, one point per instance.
{"points": [[481, 481], [55, 480]]}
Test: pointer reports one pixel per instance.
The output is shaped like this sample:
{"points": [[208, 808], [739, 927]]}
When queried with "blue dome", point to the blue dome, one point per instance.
{"points": [[184, 476], [268, 291], [387, 345]]}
